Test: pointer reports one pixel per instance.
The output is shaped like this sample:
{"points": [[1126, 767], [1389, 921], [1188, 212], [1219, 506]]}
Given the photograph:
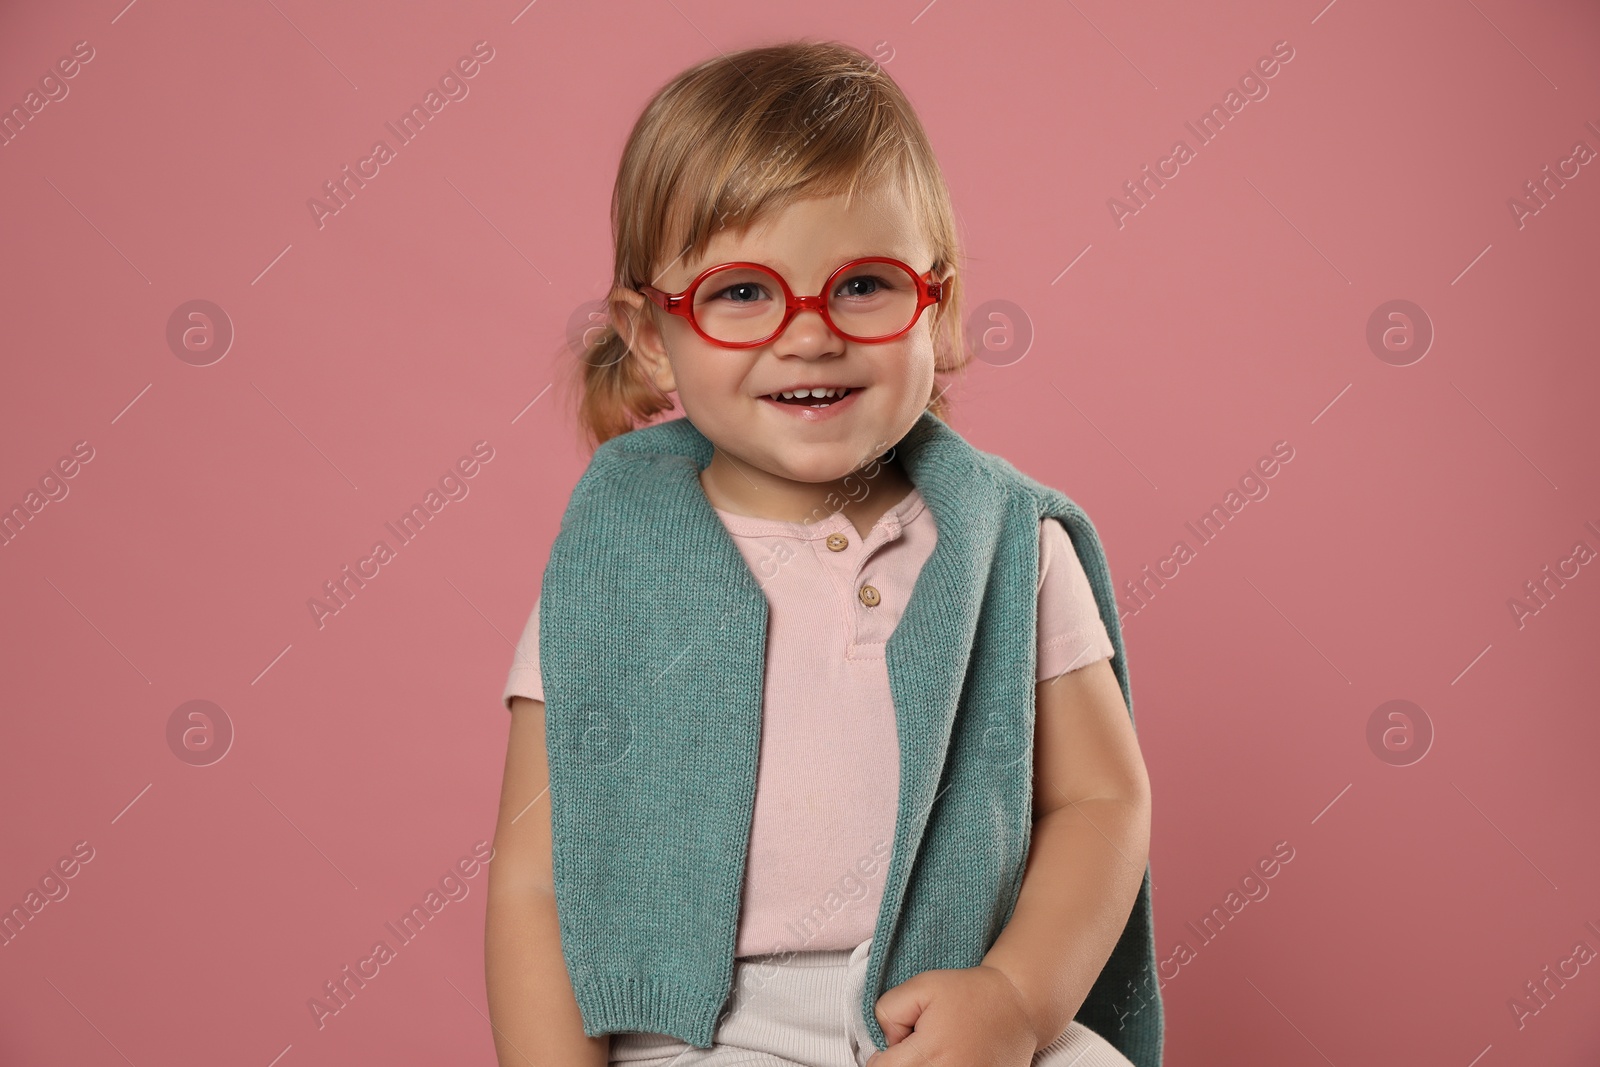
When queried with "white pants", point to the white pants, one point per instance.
{"points": [[804, 1011]]}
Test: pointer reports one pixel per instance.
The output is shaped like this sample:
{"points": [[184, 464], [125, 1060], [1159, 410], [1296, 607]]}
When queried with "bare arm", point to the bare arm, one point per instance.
{"points": [[1086, 860], [531, 1004]]}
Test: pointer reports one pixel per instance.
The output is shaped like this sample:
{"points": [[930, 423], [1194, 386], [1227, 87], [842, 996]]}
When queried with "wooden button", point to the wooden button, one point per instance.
{"points": [[837, 542], [869, 596]]}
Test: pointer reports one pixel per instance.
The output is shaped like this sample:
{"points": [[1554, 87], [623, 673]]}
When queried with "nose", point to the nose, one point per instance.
{"points": [[808, 335]]}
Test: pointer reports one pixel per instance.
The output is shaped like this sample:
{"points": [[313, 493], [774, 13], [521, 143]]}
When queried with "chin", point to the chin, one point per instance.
{"points": [[820, 470]]}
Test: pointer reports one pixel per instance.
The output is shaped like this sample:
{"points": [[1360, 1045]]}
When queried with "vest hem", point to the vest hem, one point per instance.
{"points": [[629, 1003]]}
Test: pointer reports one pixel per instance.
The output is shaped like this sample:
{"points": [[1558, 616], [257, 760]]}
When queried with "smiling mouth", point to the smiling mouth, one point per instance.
{"points": [[819, 397]]}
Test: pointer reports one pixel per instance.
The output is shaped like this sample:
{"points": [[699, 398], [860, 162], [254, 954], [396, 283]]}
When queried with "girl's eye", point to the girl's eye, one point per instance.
{"points": [[742, 293], [861, 285]]}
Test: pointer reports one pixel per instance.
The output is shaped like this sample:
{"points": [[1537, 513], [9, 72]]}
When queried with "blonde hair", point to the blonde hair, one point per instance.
{"points": [[728, 142]]}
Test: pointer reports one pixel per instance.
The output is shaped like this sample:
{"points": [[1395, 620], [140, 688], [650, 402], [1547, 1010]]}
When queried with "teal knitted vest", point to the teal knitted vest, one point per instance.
{"points": [[652, 636]]}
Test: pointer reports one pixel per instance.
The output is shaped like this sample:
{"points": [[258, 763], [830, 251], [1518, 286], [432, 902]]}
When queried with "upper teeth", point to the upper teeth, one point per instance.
{"points": [[801, 394]]}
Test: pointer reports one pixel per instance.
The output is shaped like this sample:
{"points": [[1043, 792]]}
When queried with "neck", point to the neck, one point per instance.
{"points": [[863, 495]]}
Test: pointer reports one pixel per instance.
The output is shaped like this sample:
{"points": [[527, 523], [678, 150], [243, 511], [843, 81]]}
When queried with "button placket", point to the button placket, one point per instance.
{"points": [[866, 622]]}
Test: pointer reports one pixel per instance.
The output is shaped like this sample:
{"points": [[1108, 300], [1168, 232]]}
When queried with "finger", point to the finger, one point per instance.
{"points": [[899, 1009], [908, 1053]]}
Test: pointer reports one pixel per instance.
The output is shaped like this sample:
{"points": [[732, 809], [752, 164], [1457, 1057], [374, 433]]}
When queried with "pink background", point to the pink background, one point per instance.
{"points": [[1229, 313]]}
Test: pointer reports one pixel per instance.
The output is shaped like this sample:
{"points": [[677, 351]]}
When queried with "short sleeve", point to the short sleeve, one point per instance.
{"points": [[1071, 632], [525, 680]]}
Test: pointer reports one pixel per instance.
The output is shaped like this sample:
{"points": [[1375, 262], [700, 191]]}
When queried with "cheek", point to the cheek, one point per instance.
{"points": [[705, 374], [702, 373], [914, 378], [911, 364]]}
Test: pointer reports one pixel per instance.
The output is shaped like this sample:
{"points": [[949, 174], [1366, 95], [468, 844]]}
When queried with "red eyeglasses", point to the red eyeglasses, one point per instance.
{"points": [[743, 305]]}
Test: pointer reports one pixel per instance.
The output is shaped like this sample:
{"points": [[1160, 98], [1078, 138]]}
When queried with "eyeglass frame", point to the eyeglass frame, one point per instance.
{"points": [[929, 292]]}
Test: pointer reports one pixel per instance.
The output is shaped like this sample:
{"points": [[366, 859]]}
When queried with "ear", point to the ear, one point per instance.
{"points": [[638, 327]]}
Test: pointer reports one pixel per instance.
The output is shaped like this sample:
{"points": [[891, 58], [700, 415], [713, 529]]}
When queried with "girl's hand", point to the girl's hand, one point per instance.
{"points": [[955, 1018]]}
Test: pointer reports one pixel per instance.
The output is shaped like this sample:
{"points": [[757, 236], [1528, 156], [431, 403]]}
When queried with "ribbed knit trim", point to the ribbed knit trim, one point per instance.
{"points": [[650, 1005]]}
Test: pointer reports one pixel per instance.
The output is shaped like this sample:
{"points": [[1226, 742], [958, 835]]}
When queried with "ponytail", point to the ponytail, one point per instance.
{"points": [[617, 395]]}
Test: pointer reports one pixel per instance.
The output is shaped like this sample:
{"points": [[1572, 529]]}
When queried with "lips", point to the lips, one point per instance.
{"points": [[810, 408]]}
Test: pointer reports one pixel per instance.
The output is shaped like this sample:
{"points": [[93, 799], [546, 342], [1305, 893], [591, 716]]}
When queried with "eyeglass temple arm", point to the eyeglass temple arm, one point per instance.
{"points": [[664, 300]]}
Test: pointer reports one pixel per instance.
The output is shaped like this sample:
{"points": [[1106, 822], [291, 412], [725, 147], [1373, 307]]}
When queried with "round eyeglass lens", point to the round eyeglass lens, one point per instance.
{"points": [[744, 304]]}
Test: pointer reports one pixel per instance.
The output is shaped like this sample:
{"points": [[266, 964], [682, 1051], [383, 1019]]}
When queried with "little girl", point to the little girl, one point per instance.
{"points": [[821, 749]]}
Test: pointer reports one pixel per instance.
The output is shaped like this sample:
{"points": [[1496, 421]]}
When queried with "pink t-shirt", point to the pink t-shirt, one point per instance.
{"points": [[828, 784]]}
